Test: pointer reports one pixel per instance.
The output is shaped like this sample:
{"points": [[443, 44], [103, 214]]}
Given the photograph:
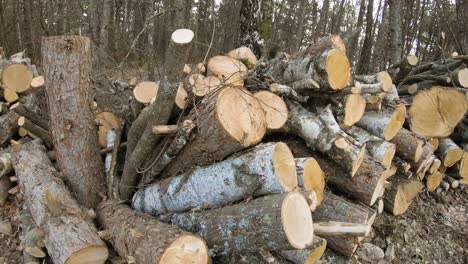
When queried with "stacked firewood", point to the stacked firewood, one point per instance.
{"points": [[242, 160]]}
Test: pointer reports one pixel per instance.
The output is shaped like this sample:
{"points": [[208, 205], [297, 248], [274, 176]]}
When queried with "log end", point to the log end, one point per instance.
{"points": [[396, 122], [285, 166], [145, 91], [418, 151], [412, 60], [358, 161], [17, 77], [355, 106], [38, 81], [96, 254], [245, 55], [186, 249], [314, 178], [338, 69], [317, 253], [453, 156], [231, 71], [434, 180], [182, 36], [296, 219], [463, 77], [386, 80], [241, 115], [276, 111], [107, 120], [436, 112]]}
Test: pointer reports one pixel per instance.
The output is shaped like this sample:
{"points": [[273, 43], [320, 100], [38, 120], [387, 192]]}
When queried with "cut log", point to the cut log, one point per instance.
{"points": [[107, 120], [36, 130], [229, 70], [266, 169], [276, 111], [145, 91], [436, 163], [463, 169], [424, 161], [366, 186], [400, 194], [5, 186], [231, 120], [34, 117], [333, 228], [17, 77], [245, 55], [9, 127], [321, 132], [408, 89], [147, 240], [69, 236], [10, 95], [335, 208], [72, 126], [382, 77], [403, 167], [460, 77], [310, 255], [348, 108], [37, 82], [378, 148], [287, 91], [449, 152], [140, 140], [273, 222], [311, 177], [202, 85], [405, 66], [408, 145], [434, 142], [384, 124], [434, 180], [436, 112]]}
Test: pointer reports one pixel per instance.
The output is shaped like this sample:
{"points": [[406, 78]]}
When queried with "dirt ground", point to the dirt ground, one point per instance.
{"points": [[434, 230]]}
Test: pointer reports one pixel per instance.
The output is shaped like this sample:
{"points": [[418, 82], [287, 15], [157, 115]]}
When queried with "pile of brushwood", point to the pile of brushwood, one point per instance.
{"points": [[237, 160]]}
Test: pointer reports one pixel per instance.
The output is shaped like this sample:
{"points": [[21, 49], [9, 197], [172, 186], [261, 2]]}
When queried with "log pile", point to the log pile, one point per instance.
{"points": [[237, 160]]}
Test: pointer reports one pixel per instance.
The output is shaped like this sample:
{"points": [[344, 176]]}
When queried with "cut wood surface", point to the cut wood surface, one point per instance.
{"points": [[408, 145], [38, 82], [266, 169], [227, 69], [436, 112], [36, 130], [273, 222], [310, 255], [145, 91], [69, 235], [384, 124], [72, 126], [17, 77], [434, 180], [401, 192], [36, 118], [276, 111], [106, 120], [449, 152], [227, 122], [383, 78], [311, 177], [148, 240]]}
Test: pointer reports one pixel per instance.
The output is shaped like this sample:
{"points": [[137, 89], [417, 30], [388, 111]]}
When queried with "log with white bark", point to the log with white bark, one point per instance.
{"points": [[460, 77], [384, 124], [382, 78], [426, 157], [70, 237], [228, 121], [73, 127], [311, 177], [405, 66], [463, 168], [336, 208], [400, 194], [347, 108], [323, 133], [408, 145], [147, 240], [273, 222], [265, 169], [380, 149], [32, 238], [36, 130], [436, 112], [449, 152], [310, 255]]}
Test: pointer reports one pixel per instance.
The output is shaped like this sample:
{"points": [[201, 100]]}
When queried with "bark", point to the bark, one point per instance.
{"points": [[448, 152], [408, 145], [31, 237], [426, 154], [141, 140], [405, 66], [395, 30], [354, 40], [384, 124], [36, 130], [250, 20], [366, 53], [69, 234], [399, 195], [220, 132], [266, 169], [261, 224], [336, 208], [103, 26], [73, 127], [9, 127], [306, 256], [31, 115], [146, 239], [5, 186], [321, 132]]}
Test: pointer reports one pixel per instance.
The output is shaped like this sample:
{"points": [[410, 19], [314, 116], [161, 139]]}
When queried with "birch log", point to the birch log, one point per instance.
{"points": [[266, 169], [384, 124]]}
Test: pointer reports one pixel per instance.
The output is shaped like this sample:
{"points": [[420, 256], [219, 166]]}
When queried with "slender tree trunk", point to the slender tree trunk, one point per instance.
{"points": [[462, 8], [324, 17], [250, 21], [104, 25], [353, 42], [421, 27], [395, 31], [366, 53]]}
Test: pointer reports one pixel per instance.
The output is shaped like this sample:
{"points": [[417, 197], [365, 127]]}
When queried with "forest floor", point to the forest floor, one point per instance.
{"points": [[433, 230]]}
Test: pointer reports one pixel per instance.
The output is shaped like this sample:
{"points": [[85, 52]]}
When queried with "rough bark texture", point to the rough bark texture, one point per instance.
{"points": [[67, 67], [31, 236], [310, 255], [399, 195], [247, 227], [250, 21], [320, 132], [142, 236], [69, 234], [9, 127], [5, 186], [395, 44], [235, 179], [408, 145]]}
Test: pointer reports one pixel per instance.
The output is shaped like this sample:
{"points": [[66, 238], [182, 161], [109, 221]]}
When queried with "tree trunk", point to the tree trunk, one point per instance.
{"points": [[73, 127], [148, 240], [70, 237], [354, 40], [9, 127], [396, 42], [384, 124], [366, 53], [250, 20], [266, 169], [408, 145], [267, 223]]}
